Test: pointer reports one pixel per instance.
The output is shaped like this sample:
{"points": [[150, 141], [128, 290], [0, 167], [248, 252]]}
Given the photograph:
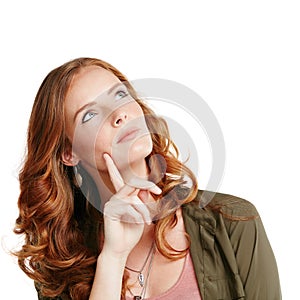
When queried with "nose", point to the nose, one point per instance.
{"points": [[119, 119]]}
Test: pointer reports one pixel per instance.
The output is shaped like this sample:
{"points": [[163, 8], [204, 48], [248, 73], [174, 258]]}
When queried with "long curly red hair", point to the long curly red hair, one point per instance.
{"points": [[54, 213]]}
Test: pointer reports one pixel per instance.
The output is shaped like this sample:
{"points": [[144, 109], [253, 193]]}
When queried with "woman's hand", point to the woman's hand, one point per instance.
{"points": [[125, 214]]}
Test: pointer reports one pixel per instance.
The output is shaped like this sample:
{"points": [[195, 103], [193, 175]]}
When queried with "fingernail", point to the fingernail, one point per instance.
{"points": [[156, 190]]}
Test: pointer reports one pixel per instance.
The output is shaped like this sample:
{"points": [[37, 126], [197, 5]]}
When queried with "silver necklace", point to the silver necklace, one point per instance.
{"points": [[141, 277], [143, 292]]}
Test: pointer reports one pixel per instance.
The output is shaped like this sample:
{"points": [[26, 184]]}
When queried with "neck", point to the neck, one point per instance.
{"points": [[142, 247]]}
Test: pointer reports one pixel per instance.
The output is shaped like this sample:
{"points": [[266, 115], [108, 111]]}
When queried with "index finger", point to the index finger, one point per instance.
{"points": [[113, 172], [134, 182]]}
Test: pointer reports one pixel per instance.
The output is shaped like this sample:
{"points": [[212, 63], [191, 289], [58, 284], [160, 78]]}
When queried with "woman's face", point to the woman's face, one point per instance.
{"points": [[101, 117]]}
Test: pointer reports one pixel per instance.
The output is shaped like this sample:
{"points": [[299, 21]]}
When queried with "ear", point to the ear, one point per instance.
{"points": [[69, 158]]}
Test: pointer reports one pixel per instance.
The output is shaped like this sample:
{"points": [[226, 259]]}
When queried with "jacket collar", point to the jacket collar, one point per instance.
{"points": [[198, 212]]}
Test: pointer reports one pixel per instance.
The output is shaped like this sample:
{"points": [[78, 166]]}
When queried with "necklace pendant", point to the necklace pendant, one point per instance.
{"points": [[141, 279], [137, 298]]}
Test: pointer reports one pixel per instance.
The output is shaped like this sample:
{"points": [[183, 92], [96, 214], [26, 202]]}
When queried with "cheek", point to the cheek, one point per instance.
{"points": [[137, 109], [89, 145], [103, 144]]}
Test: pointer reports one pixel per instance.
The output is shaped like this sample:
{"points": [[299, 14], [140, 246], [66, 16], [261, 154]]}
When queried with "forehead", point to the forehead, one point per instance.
{"points": [[89, 83]]}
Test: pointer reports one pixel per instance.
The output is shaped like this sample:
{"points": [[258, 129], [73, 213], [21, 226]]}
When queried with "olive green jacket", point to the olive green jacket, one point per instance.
{"points": [[230, 250], [231, 253]]}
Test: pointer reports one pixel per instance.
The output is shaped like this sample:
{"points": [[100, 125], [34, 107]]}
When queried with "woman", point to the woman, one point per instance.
{"points": [[107, 210]]}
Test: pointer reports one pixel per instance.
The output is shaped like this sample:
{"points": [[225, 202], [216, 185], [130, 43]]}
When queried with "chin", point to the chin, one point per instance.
{"points": [[134, 153], [138, 153], [142, 147]]}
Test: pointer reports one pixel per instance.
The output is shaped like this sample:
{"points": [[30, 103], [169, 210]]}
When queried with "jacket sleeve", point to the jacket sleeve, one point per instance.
{"points": [[254, 256]]}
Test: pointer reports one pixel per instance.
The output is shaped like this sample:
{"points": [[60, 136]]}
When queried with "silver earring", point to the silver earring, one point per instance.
{"points": [[78, 176]]}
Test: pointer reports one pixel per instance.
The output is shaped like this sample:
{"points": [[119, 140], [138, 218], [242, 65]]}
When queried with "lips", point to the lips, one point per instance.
{"points": [[128, 135]]}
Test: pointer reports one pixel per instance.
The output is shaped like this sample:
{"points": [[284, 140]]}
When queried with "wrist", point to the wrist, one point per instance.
{"points": [[114, 258], [108, 276]]}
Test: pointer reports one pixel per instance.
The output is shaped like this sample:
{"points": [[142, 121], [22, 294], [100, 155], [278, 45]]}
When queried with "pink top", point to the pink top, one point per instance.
{"points": [[186, 287]]}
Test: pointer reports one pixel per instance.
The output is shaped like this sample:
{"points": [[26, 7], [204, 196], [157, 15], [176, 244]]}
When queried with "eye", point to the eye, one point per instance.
{"points": [[88, 116], [121, 94]]}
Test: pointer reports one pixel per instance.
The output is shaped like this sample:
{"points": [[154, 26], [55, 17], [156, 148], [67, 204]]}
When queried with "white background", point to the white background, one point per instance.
{"points": [[242, 57]]}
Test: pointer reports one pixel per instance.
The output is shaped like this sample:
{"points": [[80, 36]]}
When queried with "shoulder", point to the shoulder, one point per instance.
{"points": [[229, 206]]}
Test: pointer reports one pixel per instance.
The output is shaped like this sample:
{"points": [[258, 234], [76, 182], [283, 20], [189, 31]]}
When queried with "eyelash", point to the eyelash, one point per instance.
{"points": [[88, 113], [125, 93]]}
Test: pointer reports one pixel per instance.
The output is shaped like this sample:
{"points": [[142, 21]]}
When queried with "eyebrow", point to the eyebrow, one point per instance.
{"points": [[111, 89], [83, 108]]}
